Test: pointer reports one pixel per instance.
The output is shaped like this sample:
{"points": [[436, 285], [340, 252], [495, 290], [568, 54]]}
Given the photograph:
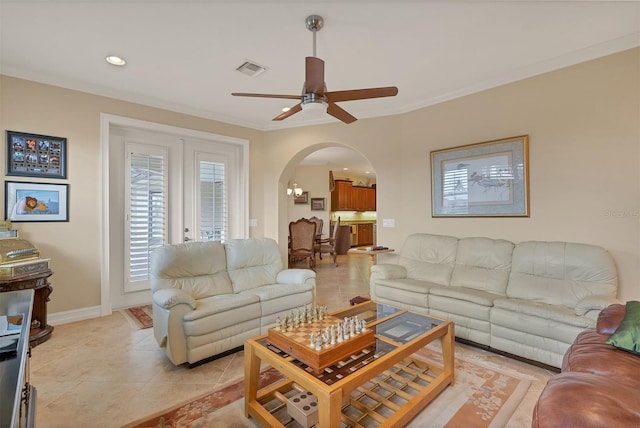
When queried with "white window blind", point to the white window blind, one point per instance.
{"points": [[213, 201], [146, 211]]}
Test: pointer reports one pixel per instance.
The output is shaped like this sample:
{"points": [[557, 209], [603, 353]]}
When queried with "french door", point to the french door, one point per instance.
{"points": [[175, 188]]}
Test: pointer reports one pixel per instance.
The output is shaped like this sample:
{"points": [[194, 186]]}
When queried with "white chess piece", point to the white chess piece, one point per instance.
{"points": [[312, 340], [340, 338]]}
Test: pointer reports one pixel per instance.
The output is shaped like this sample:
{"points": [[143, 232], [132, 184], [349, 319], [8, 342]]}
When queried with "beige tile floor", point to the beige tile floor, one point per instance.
{"points": [[104, 373]]}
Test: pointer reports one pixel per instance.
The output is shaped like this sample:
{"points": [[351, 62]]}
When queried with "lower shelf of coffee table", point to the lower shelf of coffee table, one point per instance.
{"points": [[388, 400]]}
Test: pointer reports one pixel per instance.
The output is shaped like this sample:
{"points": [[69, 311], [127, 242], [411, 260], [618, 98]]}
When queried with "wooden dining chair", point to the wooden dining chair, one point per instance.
{"points": [[302, 238], [319, 225], [330, 245]]}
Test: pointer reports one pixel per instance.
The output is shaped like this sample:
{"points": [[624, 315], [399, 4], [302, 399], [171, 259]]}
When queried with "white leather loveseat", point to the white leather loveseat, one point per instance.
{"points": [[529, 299], [209, 297]]}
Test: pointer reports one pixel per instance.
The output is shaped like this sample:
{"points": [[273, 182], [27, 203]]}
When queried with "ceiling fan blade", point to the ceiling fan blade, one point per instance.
{"points": [[339, 113], [296, 108], [289, 97], [314, 75], [361, 94]]}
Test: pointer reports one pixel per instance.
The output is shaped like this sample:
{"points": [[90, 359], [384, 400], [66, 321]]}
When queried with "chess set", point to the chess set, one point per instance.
{"points": [[318, 339]]}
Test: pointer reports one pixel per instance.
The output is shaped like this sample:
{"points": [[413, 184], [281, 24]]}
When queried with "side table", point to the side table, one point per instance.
{"points": [[40, 330], [371, 253]]}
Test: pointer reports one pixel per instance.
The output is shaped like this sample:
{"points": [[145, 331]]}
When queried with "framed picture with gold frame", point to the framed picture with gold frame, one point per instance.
{"points": [[489, 179]]}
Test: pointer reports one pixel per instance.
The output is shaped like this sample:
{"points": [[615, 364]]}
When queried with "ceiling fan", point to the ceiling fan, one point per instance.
{"points": [[314, 91]]}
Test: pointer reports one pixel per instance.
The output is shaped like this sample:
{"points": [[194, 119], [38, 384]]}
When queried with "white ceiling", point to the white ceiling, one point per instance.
{"points": [[182, 54]]}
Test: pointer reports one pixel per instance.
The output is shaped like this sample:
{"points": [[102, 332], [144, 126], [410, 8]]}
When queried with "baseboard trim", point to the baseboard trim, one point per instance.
{"points": [[74, 315]]}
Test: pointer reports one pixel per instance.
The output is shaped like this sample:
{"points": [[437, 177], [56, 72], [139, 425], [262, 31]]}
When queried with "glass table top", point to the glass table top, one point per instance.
{"points": [[393, 327]]}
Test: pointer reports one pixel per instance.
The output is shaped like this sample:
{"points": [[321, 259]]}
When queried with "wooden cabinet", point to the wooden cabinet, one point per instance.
{"points": [[347, 197], [341, 197], [40, 330], [365, 234]]}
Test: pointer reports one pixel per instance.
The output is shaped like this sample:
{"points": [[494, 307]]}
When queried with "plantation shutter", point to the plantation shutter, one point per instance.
{"points": [[213, 201], [146, 211]]}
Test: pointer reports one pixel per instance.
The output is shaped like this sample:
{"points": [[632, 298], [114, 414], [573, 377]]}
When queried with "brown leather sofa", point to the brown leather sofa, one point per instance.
{"points": [[599, 385]]}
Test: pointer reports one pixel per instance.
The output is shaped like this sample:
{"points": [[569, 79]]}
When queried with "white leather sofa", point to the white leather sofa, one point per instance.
{"points": [[209, 297], [529, 299]]}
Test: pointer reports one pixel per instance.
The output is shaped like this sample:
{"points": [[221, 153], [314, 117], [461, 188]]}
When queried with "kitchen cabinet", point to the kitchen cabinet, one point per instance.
{"points": [[341, 197], [365, 234], [347, 197]]}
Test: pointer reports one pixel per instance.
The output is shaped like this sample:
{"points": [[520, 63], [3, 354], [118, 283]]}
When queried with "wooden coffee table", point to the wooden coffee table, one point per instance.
{"points": [[387, 382]]}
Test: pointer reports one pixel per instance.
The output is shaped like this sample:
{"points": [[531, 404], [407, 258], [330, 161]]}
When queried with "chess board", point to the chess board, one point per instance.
{"points": [[296, 343]]}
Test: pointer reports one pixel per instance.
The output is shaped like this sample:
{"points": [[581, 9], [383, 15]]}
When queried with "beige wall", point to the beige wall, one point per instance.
{"points": [[583, 124], [584, 129], [75, 247]]}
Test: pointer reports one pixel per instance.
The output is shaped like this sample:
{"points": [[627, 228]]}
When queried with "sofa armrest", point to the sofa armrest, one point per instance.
{"points": [[596, 302], [169, 297], [388, 271], [610, 319], [295, 276]]}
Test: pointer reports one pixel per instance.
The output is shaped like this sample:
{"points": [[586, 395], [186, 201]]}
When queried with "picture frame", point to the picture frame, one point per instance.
{"points": [[318, 204], [36, 202], [34, 155], [488, 179], [302, 199]]}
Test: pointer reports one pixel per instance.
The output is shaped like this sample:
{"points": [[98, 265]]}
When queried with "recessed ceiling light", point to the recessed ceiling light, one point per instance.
{"points": [[345, 169], [115, 60], [367, 172]]}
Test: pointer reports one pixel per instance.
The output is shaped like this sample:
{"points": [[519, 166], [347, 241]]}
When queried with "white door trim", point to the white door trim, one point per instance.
{"points": [[108, 120]]}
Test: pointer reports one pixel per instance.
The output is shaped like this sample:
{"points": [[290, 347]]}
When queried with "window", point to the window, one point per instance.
{"points": [[146, 211], [213, 201]]}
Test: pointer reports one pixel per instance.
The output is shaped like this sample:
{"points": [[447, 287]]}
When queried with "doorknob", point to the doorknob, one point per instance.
{"points": [[187, 239]]}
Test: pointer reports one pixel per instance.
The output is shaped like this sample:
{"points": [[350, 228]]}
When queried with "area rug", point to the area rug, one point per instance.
{"points": [[482, 396], [139, 316]]}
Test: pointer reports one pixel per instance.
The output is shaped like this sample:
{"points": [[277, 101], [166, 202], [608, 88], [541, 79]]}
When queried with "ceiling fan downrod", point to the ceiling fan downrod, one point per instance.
{"points": [[314, 23]]}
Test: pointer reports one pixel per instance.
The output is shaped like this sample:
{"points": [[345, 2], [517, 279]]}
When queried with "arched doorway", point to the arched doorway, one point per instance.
{"points": [[310, 169]]}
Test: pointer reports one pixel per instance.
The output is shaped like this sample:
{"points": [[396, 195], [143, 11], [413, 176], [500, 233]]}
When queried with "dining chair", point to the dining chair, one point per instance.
{"points": [[330, 245], [302, 237], [319, 225]]}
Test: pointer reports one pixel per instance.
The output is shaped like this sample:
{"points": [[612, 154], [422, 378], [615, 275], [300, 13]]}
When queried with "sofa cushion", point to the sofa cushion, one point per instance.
{"points": [[252, 262], [403, 291], [429, 257], [466, 294], [627, 336], [590, 353], [483, 264], [198, 268], [280, 297], [224, 304], [586, 400], [545, 311], [610, 319], [561, 273]]}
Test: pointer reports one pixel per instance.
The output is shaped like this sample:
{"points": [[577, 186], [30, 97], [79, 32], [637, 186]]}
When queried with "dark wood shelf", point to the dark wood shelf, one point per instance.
{"points": [[40, 330]]}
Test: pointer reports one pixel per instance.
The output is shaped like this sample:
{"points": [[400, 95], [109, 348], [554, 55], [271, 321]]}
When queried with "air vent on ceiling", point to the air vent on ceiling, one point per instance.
{"points": [[252, 69]]}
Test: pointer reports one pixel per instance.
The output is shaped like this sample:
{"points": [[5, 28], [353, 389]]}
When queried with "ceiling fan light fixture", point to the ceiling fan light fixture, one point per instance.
{"points": [[319, 105]]}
